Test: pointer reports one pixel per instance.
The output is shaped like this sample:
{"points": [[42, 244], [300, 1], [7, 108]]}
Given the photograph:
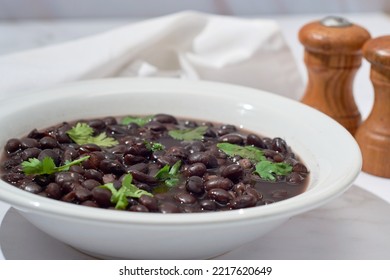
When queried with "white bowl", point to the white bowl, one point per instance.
{"points": [[328, 150]]}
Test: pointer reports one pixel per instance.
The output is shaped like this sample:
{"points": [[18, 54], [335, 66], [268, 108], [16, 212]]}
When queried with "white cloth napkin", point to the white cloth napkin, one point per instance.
{"points": [[187, 45]]}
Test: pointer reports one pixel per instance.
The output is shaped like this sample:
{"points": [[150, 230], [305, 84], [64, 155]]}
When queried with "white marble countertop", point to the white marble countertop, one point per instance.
{"points": [[355, 226]]}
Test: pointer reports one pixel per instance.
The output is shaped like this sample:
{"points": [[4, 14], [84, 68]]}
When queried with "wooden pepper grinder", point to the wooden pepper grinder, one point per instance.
{"points": [[332, 56], [373, 136]]}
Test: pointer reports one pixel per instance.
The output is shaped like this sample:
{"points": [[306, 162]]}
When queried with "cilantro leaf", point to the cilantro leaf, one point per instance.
{"points": [[188, 134], [268, 170], [47, 166], [169, 175], [141, 121], [119, 197], [82, 134], [249, 152], [154, 146]]}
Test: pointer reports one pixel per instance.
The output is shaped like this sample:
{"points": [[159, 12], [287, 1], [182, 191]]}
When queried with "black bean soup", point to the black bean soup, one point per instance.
{"points": [[157, 163]]}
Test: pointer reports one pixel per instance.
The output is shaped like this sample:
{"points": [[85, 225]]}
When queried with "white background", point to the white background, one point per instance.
{"points": [[52, 9]]}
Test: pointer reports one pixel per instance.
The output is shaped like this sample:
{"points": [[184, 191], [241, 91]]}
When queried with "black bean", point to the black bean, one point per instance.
{"points": [[93, 162], [190, 124], [177, 151], [279, 145], [30, 153], [243, 201], [219, 195], [111, 166], [194, 184], [70, 154], [233, 171], [77, 168], [209, 160], [196, 169], [253, 139], [218, 182], [294, 178], [82, 194], [93, 174], [164, 118], [167, 160], [185, 198], [51, 154], [299, 167], [90, 184], [225, 129], [109, 120], [97, 124], [149, 202], [138, 208], [13, 145], [130, 159], [48, 142], [232, 139], [53, 190], [142, 177], [142, 167], [67, 177], [89, 203], [208, 204], [253, 192], [69, 197], [29, 143], [117, 130], [278, 158], [31, 187], [88, 148], [195, 146], [102, 197], [155, 126]]}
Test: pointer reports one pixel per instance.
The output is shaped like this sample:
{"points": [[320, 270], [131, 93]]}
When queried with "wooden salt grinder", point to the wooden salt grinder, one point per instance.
{"points": [[332, 56], [373, 136]]}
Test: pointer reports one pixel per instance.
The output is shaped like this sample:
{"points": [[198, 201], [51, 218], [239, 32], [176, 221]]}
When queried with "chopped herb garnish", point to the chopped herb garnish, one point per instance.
{"points": [[46, 166], [188, 134], [169, 175], [119, 197], [266, 169], [154, 146], [249, 152], [82, 134], [141, 121]]}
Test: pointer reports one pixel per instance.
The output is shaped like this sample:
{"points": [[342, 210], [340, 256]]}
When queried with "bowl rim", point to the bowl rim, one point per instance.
{"points": [[27, 202]]}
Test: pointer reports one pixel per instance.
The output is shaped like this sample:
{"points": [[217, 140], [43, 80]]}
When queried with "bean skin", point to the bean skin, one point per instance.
{"points": [[243, 201], [219, 195], [164, 118], [194, 184], [102, 197], [195, 169], [13, 145], [218, 182], [233, 172], [53, 190]]}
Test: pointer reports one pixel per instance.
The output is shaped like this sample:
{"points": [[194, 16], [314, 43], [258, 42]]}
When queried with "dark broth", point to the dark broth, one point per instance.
{"points": [[208, 178]]}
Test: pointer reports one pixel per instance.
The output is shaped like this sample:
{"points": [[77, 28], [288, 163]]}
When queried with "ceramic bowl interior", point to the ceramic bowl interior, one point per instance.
{"points": [[329, 151]]}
